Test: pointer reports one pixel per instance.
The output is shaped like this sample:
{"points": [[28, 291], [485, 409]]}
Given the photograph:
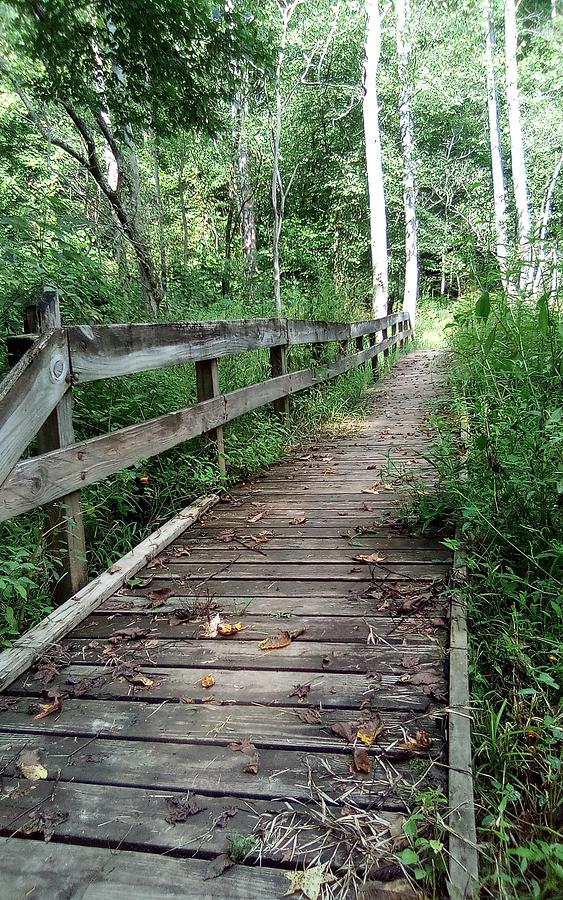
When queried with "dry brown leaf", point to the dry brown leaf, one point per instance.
{"points": [[346, 730], [29, 765], [159, 596], [255, 517], [310, 716], [421, 741], [217, 866], [227, 536], [245, 745], [180, 809], [369, 731], [298, 520], [43, 822], [427, 678], [280, 640], [262, 537], [207, 681], [361, 763], [301, 691], [46, 709], [410, 662], [372, 559]]}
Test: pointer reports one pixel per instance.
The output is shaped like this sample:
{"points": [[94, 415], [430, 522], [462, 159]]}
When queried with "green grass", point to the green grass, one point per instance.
{"points": [[507, 379]]}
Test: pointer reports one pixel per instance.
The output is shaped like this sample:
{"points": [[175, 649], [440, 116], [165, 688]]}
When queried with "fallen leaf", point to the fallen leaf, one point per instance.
{"points": [[328, 472], [29, 765], [227, 536], [43, 822], [245, 745], [262, 537], [309, 716], [346, 730], [217, 866], [180, 809], [128, 634], [280, 640], [301, 691], [251, 768], [427, 678], [132, 675], [298, 520], [255, 517], [310, 882], [419, 742], [361, 762], [159, 596], [222, 820], [410, 662], [369, 731], [46, 709], [207, 681], [371, 559]]}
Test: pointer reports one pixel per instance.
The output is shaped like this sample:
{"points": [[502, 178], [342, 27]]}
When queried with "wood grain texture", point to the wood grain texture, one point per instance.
{"points": [[29, 393]]}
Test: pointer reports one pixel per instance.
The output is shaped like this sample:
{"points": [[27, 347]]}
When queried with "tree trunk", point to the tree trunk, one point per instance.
{"points": [[374, 163], [160, 216], [184, 215], [497, 168], [545, 216], [519, 175], [277, 186], [410, 299], [245, 197]]}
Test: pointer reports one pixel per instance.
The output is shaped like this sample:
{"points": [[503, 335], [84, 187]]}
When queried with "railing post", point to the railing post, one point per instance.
{"points": [[278, 366], [65, 525], [394, 332], [207, 385], [374, 359]]}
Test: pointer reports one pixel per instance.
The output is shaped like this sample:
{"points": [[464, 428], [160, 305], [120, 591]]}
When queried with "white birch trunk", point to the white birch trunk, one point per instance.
{"points": [[545, 216], [410, 299], [278, 199], [519, 174], [374, 162], [497, 167]]}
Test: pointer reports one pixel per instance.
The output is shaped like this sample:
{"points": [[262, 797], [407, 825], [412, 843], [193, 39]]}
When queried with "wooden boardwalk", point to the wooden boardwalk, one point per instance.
{"points": [[323, 715]]}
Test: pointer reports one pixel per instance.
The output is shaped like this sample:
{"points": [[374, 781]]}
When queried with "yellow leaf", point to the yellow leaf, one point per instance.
{"points": [[207, 681], [309, 883]]}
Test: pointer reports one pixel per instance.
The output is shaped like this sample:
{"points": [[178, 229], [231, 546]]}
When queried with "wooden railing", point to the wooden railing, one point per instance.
{"points": [[36, 401]]}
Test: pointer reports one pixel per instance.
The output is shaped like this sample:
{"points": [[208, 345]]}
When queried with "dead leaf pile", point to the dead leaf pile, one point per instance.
{"points": [[281, 640], [50, 664], [159, 596], [133, 676]]}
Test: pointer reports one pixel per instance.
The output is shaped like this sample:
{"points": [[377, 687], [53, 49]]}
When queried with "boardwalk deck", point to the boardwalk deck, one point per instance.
{"points": [[365, 643]]}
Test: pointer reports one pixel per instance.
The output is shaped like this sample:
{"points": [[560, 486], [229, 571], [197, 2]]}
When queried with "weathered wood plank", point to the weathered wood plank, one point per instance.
{"points": [[29, 394], [38, 481], [313, 571], [26, 649], [334, 691], [93, 873], [339, 629], [173, 766], [207, 724], [109, 351], [306, 657]]}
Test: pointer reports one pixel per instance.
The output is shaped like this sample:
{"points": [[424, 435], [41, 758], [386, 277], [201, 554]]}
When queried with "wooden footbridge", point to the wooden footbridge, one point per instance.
{"points": [[250, 702]]}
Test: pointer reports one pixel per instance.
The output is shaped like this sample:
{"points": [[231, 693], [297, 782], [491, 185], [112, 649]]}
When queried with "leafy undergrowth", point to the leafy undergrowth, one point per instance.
{"points": [[507, 384]]}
